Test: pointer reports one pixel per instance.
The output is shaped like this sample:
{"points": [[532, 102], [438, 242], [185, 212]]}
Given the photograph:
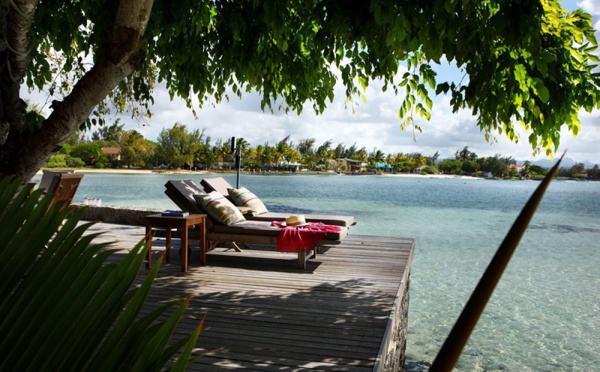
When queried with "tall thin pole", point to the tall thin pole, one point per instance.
{"points": [[238, 160], [238, 165]]}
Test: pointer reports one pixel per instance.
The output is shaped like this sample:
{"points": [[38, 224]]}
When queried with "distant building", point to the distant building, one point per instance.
{"points": [[384, 167], [518, 168], [350, 165], [284, 166], [113, 152], [223, 165]]}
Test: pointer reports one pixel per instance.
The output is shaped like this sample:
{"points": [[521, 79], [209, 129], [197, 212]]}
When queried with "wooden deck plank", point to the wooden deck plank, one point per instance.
{"points": [[265, 314]]}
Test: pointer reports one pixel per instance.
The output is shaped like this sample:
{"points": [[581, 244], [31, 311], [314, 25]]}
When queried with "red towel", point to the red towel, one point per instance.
{"points": [[295, 238]]}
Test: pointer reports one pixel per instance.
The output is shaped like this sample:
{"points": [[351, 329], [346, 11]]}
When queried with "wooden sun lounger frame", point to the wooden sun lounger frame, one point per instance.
{"points": [[233, 239], [64, 186], [215, 238]]}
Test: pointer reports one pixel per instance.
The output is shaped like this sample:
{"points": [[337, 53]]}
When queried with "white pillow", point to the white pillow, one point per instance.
{"points": [[245, 198]]}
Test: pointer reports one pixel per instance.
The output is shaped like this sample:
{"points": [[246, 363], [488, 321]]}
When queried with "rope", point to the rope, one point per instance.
{"points": [[3, 13], [4, 44], [16, 8]]}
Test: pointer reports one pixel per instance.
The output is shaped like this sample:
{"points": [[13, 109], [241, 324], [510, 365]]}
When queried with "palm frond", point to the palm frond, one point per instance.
{"points": [[64, 306]]}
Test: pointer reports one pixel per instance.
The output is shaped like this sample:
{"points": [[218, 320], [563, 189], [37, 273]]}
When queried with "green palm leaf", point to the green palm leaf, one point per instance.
{"points": [[64, 307]]}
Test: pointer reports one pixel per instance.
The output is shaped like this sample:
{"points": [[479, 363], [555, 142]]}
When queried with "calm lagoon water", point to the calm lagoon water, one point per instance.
{"points": [[544, 314]]}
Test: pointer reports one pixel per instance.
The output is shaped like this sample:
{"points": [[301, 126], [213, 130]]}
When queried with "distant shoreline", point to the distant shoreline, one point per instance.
{"points": [[220, 173], [212, 173], [415, 175]]}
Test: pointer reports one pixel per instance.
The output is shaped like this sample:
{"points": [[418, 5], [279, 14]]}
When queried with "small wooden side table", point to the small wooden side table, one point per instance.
{"points": [[168, 222]]}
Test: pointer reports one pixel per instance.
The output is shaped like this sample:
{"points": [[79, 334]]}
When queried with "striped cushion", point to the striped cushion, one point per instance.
{"points": [[245, 198], [219, 208]]}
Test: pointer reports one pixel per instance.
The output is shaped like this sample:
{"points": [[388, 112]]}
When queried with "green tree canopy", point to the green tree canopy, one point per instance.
{"points": [[177, 146], [526, 63], [452, 166], [89, 152], [113, 133], [465, 155], [135, 149]]}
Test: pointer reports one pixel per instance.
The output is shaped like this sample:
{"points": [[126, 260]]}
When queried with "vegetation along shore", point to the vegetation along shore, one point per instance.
{"points": [[178, 149]]}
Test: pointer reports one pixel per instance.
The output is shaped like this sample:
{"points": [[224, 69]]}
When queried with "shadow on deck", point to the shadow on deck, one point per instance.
{"points": [[346, 311]]}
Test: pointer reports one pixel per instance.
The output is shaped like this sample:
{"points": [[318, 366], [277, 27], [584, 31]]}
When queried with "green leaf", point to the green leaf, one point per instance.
{"points": [[542, 92], [442, 88], [364, 83], [520, 72]]}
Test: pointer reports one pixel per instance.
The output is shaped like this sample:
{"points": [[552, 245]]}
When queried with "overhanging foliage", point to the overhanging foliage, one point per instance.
{"points": [[525, 62], [528, 63]]}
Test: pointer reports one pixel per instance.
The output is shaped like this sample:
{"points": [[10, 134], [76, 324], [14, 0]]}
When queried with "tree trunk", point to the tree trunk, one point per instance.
{"points": [[25, 150]]}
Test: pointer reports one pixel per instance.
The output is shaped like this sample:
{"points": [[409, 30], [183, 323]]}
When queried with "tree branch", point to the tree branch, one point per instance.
{"points": [[121, 56]]}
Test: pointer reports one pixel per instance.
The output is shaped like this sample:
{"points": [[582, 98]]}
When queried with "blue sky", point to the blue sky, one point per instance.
{"points": [[373, 125]]}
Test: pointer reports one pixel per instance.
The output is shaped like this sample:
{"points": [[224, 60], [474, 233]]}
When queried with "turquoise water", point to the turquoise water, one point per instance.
{"points": [[545, 313]]}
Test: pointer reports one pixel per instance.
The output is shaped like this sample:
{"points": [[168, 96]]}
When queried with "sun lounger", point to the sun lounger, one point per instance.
{"points": [[244, 232], [220, 185], [64, 186]]}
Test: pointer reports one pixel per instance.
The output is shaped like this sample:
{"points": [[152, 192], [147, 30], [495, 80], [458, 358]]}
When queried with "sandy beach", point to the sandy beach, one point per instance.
{"points": [[128, 171], [415, 175]]}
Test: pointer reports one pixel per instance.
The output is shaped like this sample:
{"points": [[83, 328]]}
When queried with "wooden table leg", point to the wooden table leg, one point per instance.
{"points": [[203, 243], [149, 241], [168, 244], [184, 247]]}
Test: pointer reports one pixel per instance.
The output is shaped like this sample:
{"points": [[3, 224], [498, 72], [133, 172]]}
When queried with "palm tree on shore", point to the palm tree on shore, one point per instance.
{"points": [[376, 157], [305, 146], [325, 154]]}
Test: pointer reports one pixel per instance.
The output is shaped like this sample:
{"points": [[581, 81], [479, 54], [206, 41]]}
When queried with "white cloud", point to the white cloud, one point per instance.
{"points": [[590, 6], [371, 125]]}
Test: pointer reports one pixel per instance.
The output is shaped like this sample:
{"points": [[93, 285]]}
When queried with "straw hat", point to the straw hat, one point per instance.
{"points": [[295, 220]]}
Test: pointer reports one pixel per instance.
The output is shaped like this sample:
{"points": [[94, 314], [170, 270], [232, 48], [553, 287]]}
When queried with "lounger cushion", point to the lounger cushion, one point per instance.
{"points": [[263, 228], [219, 208], [327, 219], [244, 198]]}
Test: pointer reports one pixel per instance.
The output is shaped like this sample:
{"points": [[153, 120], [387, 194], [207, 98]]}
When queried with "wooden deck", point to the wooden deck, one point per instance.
{"points": [[263, 313]]}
